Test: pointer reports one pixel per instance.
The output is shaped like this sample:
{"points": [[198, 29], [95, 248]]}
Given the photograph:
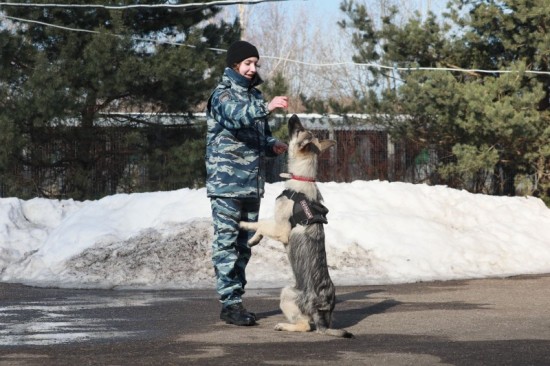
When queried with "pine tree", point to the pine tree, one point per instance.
{"points": [[16, 58], [108, 63], [488, 130]]}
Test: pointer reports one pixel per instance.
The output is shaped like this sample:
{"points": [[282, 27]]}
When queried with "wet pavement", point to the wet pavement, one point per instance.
{"points": [[475, 322]]}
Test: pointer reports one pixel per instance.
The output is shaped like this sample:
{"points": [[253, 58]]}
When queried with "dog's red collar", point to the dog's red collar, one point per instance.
{"points": [[297, 177], [302, 179]]}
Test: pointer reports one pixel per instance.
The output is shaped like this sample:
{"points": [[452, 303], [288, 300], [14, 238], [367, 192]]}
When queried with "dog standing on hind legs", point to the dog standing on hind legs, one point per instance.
{"points": [[298, 223]]}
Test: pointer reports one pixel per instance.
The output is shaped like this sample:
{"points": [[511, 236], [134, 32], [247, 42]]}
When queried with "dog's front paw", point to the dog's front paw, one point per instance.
{"points": [[279, 326], [255, 240]]}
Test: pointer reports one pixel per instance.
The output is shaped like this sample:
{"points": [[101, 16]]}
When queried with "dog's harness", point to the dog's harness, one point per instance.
{"points": [[305, 212]]}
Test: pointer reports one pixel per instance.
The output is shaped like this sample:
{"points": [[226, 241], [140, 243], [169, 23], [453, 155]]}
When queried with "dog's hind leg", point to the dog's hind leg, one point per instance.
{"points": [[299, 322], [323, 320], [301, 326]]}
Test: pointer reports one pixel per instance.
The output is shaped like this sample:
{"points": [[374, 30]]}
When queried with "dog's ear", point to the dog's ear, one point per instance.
{"points": [[325, 144], [304, 139], [294, 125]]}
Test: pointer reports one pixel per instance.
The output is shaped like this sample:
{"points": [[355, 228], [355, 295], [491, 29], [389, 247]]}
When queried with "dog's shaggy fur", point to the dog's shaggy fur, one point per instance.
{"points": [[312, 299]]}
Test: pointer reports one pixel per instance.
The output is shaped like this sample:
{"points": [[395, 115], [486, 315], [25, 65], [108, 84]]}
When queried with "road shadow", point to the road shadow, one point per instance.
{"points": [[353, 307], [345, 318], [356, 295], [346, 313]]}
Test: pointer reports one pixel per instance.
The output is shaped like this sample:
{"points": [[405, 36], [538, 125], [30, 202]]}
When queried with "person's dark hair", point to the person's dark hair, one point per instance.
{"points": [[239, 51]]}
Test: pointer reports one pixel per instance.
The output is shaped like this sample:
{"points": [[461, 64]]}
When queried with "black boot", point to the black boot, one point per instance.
{"points": [[237, 314]]}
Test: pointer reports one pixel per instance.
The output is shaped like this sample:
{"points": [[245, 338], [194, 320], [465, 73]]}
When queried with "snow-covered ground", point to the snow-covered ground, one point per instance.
{"points": [[378, 233]]}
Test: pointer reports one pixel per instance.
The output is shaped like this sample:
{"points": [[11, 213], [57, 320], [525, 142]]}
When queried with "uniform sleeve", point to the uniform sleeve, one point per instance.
{"points": [[234, 113], [269, 142]]}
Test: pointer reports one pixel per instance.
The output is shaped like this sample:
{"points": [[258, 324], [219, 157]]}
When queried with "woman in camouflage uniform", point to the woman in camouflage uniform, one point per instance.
{"points": [[237, 141]]}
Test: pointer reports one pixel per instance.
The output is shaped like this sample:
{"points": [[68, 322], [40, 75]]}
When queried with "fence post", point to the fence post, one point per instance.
{"points": [[390, 158], [333, 152]]}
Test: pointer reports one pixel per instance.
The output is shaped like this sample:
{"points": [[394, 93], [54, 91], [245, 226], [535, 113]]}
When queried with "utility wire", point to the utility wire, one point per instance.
{"points": [[120, 7], [411, 68], [312, 64], [109, 34]]}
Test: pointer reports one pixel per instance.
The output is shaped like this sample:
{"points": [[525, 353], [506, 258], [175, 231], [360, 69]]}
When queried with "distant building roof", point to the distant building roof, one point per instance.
{"points": [[314, 121]]}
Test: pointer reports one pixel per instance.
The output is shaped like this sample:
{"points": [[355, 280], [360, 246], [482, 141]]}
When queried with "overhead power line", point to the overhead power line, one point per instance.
{"points": [[409, 68], [120, 7], [312, 64], [109, 34]]}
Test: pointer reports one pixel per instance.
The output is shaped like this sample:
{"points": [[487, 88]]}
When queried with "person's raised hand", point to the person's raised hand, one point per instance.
{"points": [[279, 147], [278, 102]]}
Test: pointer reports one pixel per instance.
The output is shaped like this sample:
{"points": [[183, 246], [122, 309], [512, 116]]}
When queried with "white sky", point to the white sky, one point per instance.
{"points": [[290, 33], [378, 233]]}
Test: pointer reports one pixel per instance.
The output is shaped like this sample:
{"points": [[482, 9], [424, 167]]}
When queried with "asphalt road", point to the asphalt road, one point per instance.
{"points": [[477, 322]]}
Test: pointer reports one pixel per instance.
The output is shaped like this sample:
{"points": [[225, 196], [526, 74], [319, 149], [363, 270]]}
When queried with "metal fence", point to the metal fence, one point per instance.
{"points": [[116, 163], [367, 155]]}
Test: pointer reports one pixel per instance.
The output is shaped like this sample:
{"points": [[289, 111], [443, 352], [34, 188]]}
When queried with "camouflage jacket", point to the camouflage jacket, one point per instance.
{"points": [[238, 138]]}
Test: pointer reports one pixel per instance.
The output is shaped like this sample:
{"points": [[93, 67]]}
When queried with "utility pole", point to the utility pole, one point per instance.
{"points": [[243, 18]]}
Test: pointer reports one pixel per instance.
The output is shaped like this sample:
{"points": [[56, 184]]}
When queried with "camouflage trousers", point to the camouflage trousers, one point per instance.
{"points": [[230, 250]]}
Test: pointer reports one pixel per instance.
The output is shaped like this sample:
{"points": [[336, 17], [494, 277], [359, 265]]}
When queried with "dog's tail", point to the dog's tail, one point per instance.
{"points": [[342, 333]]}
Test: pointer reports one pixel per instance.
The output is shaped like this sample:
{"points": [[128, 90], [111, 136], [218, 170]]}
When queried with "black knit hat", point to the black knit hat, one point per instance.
{"points": [[239, 51]]}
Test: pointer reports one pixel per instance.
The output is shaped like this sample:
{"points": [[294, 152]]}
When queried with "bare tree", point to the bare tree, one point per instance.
{"points": [[312, 52]]}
